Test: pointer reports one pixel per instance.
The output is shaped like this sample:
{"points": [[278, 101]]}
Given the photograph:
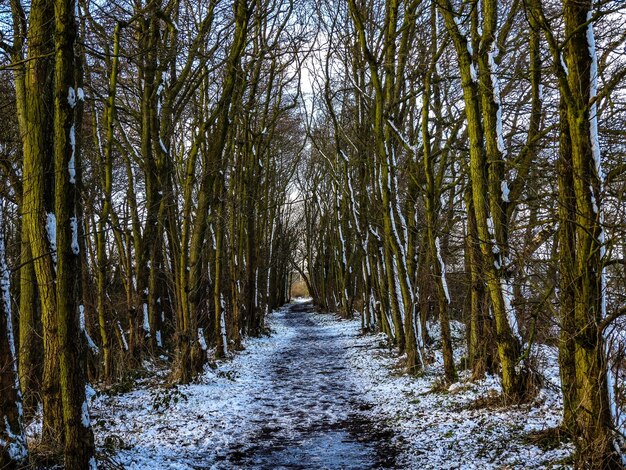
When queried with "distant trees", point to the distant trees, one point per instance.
{"points": [[154, 160], [463, 144], [193, 171]]}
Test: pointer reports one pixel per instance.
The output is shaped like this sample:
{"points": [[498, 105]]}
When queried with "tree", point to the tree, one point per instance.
{"points": [[386, 86], [38, 203], [588, 398], [31, 346], [489, 189], [13, 450], [78, 436]]}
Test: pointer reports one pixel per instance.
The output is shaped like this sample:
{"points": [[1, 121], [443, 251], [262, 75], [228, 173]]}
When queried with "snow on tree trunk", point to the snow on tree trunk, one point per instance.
{"points": [[13, 449]]}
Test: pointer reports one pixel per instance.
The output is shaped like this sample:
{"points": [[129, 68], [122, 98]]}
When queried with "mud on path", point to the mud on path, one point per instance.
{"points": [[309, 414]]}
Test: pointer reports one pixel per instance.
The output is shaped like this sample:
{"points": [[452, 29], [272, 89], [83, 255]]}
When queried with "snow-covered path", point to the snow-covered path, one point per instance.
{"points": [[287, 401], [318, 395], [306, 415]]}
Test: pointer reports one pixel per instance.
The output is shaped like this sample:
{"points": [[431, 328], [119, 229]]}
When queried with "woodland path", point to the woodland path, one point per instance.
{"points": [[287, 401], [310, 414]]}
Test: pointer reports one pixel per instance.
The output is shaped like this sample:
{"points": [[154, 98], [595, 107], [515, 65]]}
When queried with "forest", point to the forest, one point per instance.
{"points": [[312, 234]]}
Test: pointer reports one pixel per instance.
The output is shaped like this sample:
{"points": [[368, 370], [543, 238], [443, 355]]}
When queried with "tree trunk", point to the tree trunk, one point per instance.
{"points": [[13, 450], [38, 209], [79, 443], [493, 258]]}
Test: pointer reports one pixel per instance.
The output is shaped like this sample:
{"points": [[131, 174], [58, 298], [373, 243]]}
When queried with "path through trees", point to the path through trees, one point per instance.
{"points": [[168, 167], [290, 402]]}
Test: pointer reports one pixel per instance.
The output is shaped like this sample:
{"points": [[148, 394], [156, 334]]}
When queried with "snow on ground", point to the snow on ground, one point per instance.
{"points": [[316, 394], [209, 417], [443, 428]]}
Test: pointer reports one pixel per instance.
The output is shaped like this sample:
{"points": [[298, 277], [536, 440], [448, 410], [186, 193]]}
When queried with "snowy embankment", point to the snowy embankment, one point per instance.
{"points": [[461, 426], [286, 399], [188, 426]]}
